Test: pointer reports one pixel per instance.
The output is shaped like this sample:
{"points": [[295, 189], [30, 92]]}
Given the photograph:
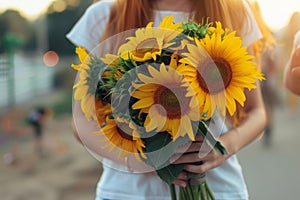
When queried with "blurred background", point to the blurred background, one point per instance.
{"points": [[35, 75]]}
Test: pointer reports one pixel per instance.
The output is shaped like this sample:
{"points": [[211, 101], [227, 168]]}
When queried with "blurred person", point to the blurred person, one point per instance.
{"points": [[37, 118], [285, 40], [269, 63], [271, 94], [126, 180], [291, 76], [286, 34]]}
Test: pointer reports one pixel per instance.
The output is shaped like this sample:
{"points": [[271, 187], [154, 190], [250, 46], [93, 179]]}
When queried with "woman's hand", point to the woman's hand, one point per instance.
{"points": [[198, 151], [292, 72], [296, 71], [295, 63]]}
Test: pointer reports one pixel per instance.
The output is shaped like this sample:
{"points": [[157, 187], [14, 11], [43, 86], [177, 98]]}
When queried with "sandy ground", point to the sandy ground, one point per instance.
{"points": [[66, 171], [272, 173]]}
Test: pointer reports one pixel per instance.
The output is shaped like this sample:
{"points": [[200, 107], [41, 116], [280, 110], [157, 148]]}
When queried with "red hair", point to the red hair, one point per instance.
{"points": [[130, 14]]}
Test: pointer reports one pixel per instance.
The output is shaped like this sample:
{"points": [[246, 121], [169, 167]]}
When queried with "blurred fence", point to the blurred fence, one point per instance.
{"points": [[23, 79]]}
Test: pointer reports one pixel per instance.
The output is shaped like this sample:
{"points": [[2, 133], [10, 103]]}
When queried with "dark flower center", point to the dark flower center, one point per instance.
{"points": [[214, 75], [124, 131], [173, 101]]}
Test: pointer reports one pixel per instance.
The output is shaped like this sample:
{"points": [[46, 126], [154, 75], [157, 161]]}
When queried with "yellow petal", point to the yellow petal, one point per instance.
{"points": [[142, 103], [82, 54]]}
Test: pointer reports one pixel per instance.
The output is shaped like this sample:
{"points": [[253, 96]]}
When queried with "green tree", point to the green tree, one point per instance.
{"points": [[61, 17], [12, 22]]}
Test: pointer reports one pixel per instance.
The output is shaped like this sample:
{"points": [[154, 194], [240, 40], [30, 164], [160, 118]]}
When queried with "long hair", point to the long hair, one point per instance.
{"points": [[268, 42], [231, 13], [130, 14]]}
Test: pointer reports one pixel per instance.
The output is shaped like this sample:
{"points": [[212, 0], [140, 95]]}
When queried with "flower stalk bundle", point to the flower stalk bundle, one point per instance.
{"points": [[161, 90]]}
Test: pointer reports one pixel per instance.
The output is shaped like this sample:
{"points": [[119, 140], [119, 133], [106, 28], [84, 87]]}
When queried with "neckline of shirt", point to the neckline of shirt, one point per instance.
{"points": [[170, 11]]}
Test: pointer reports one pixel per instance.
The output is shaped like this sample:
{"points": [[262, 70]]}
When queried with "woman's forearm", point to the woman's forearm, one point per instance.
{"points": [[246, 132], [249, 128]]}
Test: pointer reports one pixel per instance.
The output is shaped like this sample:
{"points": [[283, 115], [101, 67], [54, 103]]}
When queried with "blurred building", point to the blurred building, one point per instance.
{"points": [[24, 79]]}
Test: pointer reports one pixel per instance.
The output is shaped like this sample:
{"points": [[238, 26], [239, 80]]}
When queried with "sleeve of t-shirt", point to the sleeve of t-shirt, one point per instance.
{"points": [[251, 32], [88, 30]]}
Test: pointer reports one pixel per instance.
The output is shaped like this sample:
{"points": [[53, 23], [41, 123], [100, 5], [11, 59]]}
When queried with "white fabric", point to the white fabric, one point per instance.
{"points": [[226, 181], [88, 30]]}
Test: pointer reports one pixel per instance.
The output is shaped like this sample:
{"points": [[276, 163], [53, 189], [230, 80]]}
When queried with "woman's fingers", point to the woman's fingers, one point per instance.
{"points": [[181, 180], [191, 146], [199, 168], [198, 138], [205, 166], [211, 161], [186, 158], [192, 157], [295, 60], [180, 183], [296, 71]]}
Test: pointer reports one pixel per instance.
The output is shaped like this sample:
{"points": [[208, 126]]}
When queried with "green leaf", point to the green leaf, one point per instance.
{"points": [[196, 30], [170, 172], [209, 138], [159, 148]]}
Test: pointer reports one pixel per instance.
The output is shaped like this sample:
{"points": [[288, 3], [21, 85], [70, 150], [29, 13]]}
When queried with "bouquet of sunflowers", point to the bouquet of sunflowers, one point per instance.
{"points": [[161, 90]]}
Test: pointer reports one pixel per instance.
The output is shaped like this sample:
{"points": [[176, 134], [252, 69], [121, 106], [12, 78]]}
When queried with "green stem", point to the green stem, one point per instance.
{"points": [[184, 194], [181, 195], [190, 191], [196, 191], [204, 191], [210, 194], [173, 192]]}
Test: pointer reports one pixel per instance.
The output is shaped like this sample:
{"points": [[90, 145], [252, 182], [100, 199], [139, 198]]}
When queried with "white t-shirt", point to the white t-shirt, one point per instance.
{"points": [[117, 183]]}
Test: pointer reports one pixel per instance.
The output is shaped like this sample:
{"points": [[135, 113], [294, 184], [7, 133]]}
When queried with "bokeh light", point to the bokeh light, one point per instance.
{"points": [[277, 13], [50, 58], [59, 6]]}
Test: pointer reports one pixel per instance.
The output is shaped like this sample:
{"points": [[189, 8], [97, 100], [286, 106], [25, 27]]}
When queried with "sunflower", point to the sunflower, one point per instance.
{"points": [[122, 134], [148, 42], [219, 69], [83, 58], [86, 86], [168, 23], [172, 29], [102, 110], [168, 100], [109, 60], [174, 58], [218, 30], [115, 69], [81, 87]]}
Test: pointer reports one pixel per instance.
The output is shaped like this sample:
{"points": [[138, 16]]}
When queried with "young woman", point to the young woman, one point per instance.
{"points": [[130, 179]]}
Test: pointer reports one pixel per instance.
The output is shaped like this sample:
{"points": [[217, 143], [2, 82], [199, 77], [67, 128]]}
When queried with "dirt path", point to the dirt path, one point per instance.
{"points": [[66, 171]]}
